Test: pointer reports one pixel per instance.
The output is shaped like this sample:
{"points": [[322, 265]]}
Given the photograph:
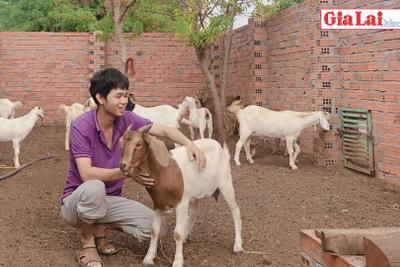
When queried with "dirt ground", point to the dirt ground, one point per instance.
{"points": [[275, 204]]}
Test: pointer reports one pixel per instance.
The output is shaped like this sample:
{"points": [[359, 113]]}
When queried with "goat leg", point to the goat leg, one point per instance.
{"points": [[155, 232]]}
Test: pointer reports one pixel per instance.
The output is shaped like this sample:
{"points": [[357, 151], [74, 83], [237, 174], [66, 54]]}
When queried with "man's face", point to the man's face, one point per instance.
{"points": [[116, 101]]}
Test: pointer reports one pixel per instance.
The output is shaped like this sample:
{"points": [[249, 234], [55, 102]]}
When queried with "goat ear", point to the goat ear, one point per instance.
{"points": [[159, 149], [131, 97], [129, 128], [324, 123], [144, 128]]}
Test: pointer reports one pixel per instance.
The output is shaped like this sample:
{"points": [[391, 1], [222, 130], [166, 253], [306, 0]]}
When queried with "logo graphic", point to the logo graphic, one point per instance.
{"points": [[360, 19]]}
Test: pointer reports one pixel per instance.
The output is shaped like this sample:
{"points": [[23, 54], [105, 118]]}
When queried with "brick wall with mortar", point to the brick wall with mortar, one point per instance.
{"points": [[44, 69], [311, 69], [370, 76]]}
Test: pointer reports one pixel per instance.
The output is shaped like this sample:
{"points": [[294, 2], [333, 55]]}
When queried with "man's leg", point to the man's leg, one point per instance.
{"points": [[131, 217], [82, 209]]}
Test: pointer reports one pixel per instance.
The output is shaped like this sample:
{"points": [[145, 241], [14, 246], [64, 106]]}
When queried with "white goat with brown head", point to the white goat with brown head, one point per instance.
{"points": [[286, 125], [179, 184]]}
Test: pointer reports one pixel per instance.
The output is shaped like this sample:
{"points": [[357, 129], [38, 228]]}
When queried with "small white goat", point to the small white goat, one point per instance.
{"points": [[72, 112], [16, 130], [179, 184], [199, 118], [164, 114], [286, 125], [7, 108]]}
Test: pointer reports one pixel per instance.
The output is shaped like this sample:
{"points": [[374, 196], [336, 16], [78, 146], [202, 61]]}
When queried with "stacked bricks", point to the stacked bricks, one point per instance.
{"points": [[326, 87], [312, 254]]}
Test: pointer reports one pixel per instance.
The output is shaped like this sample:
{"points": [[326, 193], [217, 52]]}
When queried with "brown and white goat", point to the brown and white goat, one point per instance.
{"points": [[179, 184]]}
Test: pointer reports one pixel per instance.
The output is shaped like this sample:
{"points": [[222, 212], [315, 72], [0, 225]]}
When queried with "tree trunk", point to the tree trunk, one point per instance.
{"points": [[227, 55], [204, 56], [119, 34]]}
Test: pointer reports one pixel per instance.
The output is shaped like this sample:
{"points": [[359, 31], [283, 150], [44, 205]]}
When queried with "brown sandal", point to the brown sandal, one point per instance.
{"points": [[104, 247], [79, 258]]}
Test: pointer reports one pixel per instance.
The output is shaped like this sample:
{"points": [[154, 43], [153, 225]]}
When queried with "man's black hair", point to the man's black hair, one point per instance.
{"points": [[106, 80]]}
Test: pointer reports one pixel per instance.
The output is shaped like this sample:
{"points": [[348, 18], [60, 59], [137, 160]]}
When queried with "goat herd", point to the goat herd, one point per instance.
{"points": [[188, 183]]}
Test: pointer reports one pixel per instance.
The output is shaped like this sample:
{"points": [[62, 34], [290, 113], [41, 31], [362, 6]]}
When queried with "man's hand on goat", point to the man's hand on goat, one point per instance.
{"points": [[196, 153], [143, 178]]}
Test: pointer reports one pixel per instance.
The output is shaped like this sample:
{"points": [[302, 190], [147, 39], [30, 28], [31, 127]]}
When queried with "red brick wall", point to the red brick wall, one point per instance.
{"points": [[44, 69], [370, 75]]}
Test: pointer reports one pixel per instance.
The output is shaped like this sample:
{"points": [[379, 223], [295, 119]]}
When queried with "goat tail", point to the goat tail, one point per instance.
{"points": [[17, 104], [208, 114], [63, 107], [226, 150]]}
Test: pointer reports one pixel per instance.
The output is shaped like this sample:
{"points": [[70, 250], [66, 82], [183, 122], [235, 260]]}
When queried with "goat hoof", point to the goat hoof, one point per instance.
{"points": [[237, 250], [251, 161], [238, 163], [295, 168], [147, 262]]}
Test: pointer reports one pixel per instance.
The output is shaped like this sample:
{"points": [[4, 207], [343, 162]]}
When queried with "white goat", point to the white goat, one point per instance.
{"points": [[199, 118], [286, 125], [164, 114], [179, 184], [7, 108], [16, 130], [72, 112]]}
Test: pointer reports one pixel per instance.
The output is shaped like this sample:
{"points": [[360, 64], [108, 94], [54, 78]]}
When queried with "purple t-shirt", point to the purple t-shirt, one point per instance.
{"points": [[88, 141]]}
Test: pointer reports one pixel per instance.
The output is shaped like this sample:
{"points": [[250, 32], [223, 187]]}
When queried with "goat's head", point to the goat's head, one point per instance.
{"points": [[90, 103], [131, 100], [202, 96], [189, 102], [323, 120], [39, 111], [135, 147], [235, 106]]}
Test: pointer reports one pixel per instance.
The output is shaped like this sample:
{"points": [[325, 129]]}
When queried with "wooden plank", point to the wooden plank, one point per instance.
{"points": [[382, 250], [349, 241]]}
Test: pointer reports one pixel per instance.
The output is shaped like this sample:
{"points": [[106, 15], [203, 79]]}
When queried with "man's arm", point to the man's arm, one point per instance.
{"points": [[88, 172], [177, 136]]}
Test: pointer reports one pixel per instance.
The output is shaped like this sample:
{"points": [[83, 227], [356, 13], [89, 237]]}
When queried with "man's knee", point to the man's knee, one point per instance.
{"points": [[92, 205]]}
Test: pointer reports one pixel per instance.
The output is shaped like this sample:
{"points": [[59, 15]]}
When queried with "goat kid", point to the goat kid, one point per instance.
{"points": [[72, 112], [16, 130], [200, 118], [7, 108], [179, 184], [286, 125]]}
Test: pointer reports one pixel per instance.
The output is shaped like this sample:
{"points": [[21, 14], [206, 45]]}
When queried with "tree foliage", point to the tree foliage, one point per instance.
{"points": [[84, 16]]}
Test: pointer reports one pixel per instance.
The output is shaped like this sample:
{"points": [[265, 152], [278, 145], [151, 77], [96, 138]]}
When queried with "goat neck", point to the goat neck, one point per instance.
{"points": [[309, 118], [168, 187]]}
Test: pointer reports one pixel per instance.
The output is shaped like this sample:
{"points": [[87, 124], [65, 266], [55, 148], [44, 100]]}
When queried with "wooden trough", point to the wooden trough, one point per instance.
{"points": [[373, 247]]}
